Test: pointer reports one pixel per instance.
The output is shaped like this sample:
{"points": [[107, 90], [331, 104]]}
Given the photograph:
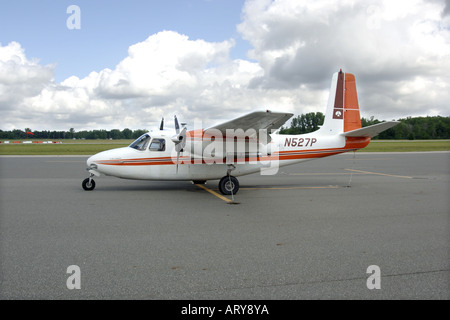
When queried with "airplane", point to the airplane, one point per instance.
{"points": [[242, 146]]}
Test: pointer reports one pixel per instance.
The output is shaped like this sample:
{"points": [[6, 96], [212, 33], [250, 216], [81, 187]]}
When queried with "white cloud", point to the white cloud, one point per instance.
{"points": [[399, 52], [19, 78], [164, 75], [388, 45]]}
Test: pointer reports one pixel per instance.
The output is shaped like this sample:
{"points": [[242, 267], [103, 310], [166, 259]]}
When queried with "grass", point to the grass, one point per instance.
{"points": [[90, 147], [67, 147], [407, 145]]}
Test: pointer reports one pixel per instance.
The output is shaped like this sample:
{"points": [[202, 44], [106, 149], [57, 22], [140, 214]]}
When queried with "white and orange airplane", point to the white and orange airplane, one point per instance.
{"points": [[242, 146]]}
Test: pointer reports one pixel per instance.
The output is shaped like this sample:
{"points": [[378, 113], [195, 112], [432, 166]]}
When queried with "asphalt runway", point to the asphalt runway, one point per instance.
{"points": [[309, 232]]}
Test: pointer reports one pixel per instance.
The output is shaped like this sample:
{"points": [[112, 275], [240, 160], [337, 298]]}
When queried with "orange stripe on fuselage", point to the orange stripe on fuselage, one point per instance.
{"points": [[352, 144]]}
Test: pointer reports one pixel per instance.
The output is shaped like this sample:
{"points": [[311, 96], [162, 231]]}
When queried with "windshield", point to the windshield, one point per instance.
{"points": [[141, 143]]}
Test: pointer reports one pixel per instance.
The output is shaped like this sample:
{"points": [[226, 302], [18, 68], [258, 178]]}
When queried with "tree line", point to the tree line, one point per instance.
{"points": [[436, 127], [420, 128], [114, 134]]}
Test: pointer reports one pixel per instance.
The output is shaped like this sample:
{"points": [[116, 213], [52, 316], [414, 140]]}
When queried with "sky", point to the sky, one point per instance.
{"points": [[126, 64]]}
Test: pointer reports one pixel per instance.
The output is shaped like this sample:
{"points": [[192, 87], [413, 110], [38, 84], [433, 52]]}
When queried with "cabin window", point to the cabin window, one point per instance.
{"points": [[141, 143], [158, 145]]}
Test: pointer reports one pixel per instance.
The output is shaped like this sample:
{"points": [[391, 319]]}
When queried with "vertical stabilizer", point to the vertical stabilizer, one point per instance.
{"points": [[342, 114]]}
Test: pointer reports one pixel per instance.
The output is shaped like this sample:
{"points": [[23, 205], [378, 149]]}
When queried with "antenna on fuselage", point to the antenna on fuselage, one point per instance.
{"points": [[161, 127]]}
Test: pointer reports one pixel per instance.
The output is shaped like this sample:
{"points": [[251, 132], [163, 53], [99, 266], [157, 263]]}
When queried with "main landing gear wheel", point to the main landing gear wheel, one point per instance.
{"points": [[229, 185], [88, 184]]}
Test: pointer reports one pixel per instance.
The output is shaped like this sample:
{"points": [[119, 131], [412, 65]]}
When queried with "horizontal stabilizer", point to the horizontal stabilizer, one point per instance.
{"points": [[371, 131]]}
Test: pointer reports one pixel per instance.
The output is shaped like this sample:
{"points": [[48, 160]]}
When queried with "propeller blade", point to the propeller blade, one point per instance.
{"points": [[177, 126], [161, 127], [179, 139]]}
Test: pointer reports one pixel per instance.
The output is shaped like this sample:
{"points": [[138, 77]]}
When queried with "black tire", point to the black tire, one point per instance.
{"points": [[228, 185], [88, 186]]}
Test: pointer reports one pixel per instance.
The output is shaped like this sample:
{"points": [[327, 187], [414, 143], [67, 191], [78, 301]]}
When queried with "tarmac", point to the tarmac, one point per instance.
{"points": [[312, 231]]}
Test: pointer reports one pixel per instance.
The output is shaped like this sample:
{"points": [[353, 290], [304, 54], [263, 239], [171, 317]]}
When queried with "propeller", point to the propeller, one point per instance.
{"points": [[161, 127], [179, 139]]}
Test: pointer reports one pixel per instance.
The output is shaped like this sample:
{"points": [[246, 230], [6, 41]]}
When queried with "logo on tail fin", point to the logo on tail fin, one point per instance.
{"points": [[338, 114]]}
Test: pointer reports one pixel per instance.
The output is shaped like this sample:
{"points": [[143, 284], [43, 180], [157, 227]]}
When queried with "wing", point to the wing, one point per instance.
{"points": [[251, 124]]}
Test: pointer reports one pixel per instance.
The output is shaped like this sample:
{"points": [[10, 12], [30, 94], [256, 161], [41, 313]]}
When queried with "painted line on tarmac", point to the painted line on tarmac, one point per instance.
{"points": [[370, 159], [214, 193], [288, 188], [320, 174], [379, 174], [63, 161], [261, 188]]}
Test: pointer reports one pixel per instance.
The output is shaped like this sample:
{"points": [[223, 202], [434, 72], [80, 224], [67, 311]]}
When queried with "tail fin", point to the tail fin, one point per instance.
{"points": [[342, 113]]}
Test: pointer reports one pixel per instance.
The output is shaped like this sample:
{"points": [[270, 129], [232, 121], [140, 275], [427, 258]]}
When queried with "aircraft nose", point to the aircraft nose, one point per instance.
{"points": [[90, 161]]}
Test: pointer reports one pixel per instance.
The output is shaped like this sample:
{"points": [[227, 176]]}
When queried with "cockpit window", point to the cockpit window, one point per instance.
{"points": [[141, 143], [158, 145]]}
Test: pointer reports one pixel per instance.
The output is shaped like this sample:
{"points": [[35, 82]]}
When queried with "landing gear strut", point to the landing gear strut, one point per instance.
{"points": [[89, 183]]}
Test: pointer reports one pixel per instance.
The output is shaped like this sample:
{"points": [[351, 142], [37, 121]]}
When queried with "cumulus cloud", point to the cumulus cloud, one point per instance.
{"points": [[398, 50], [20, 78], [165, 74]]}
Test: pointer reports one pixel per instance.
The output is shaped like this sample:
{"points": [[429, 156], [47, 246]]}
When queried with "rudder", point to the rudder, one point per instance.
{"points": [[352, 118]]}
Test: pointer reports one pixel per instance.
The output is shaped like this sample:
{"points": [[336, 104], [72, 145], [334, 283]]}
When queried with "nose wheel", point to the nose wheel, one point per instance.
{"points": [[228, 185], [88, 184]]}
